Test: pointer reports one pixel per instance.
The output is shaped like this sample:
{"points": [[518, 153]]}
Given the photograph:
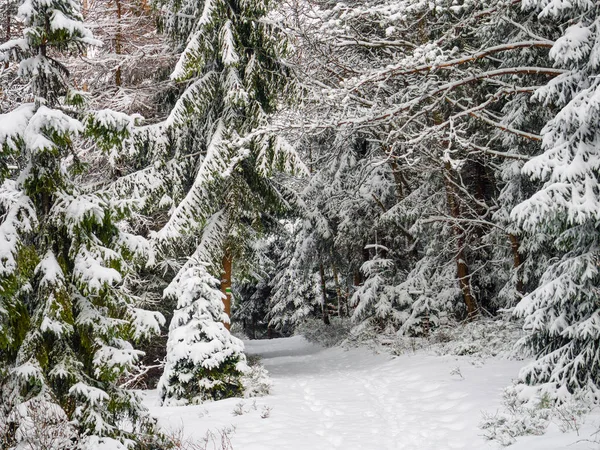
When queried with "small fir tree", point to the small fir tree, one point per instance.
{"points": [[294, 294], [204, 361]]}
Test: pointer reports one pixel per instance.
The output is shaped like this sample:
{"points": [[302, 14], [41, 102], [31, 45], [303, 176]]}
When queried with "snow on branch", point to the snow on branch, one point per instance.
{"points": [[19, 219], [198, 203], [401, 70]]}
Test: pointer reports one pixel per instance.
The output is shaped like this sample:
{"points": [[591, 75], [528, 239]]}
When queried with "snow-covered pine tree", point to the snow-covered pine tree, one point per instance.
{"points": [[326, 241], [13, 89], [253, 290], [67, 320], [204, 361], [294, 285], [233, 65], [562, 315], [376, 301], [427, 288]]}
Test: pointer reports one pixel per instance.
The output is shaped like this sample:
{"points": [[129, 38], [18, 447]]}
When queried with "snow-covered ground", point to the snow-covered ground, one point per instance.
{"points": [[355, 399]]}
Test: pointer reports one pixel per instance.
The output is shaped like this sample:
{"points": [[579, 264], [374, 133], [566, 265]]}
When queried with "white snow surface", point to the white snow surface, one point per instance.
{"points": [[356, 399]]}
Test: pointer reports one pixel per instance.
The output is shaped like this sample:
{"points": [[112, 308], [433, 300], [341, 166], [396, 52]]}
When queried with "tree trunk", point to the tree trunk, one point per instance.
{"points": [[517, 261], [326, 320], [8, 23], [338, 291], [356, 278], [400, 182], [226, 285], [462, 268], [118, 43]]}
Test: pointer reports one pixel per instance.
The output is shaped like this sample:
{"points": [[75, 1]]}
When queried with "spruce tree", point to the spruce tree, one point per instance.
{"points": [[232, 63], [236, 75], [204, 361], [562, 316], [67, 320], [294, 286]]}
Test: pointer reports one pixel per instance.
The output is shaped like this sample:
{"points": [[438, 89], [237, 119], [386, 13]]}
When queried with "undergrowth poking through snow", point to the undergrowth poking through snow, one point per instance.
{"points": [[212, 440], [483, 338], [255, 380], [314, 330], [520, 419]]}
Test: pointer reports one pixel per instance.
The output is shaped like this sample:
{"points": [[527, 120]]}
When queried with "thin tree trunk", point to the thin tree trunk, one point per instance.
{"points": [[366, 253], [8, 11], [8, 23], [326, 320], [118, 41], [338, 291], [517, 261], [84, 53], [462, 268], [226, 285], [400, 182], [357, 278], [350, 288]]}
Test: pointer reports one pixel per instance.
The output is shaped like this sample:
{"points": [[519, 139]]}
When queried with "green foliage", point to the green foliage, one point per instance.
{"points": [[77, 99], [66, 314], [204, 384], [234, 62], [110, 130]]}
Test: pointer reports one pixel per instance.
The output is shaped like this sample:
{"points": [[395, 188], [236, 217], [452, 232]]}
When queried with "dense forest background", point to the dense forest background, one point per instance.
{"points": [[380, 168]]}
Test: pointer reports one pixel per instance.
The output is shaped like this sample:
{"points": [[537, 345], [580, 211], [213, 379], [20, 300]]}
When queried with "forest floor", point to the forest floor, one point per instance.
{"points": [[355, 399]]}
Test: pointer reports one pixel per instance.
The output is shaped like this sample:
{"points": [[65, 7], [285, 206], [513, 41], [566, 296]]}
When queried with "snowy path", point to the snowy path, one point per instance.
{"points": [[351, 400], [356, 400]]}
